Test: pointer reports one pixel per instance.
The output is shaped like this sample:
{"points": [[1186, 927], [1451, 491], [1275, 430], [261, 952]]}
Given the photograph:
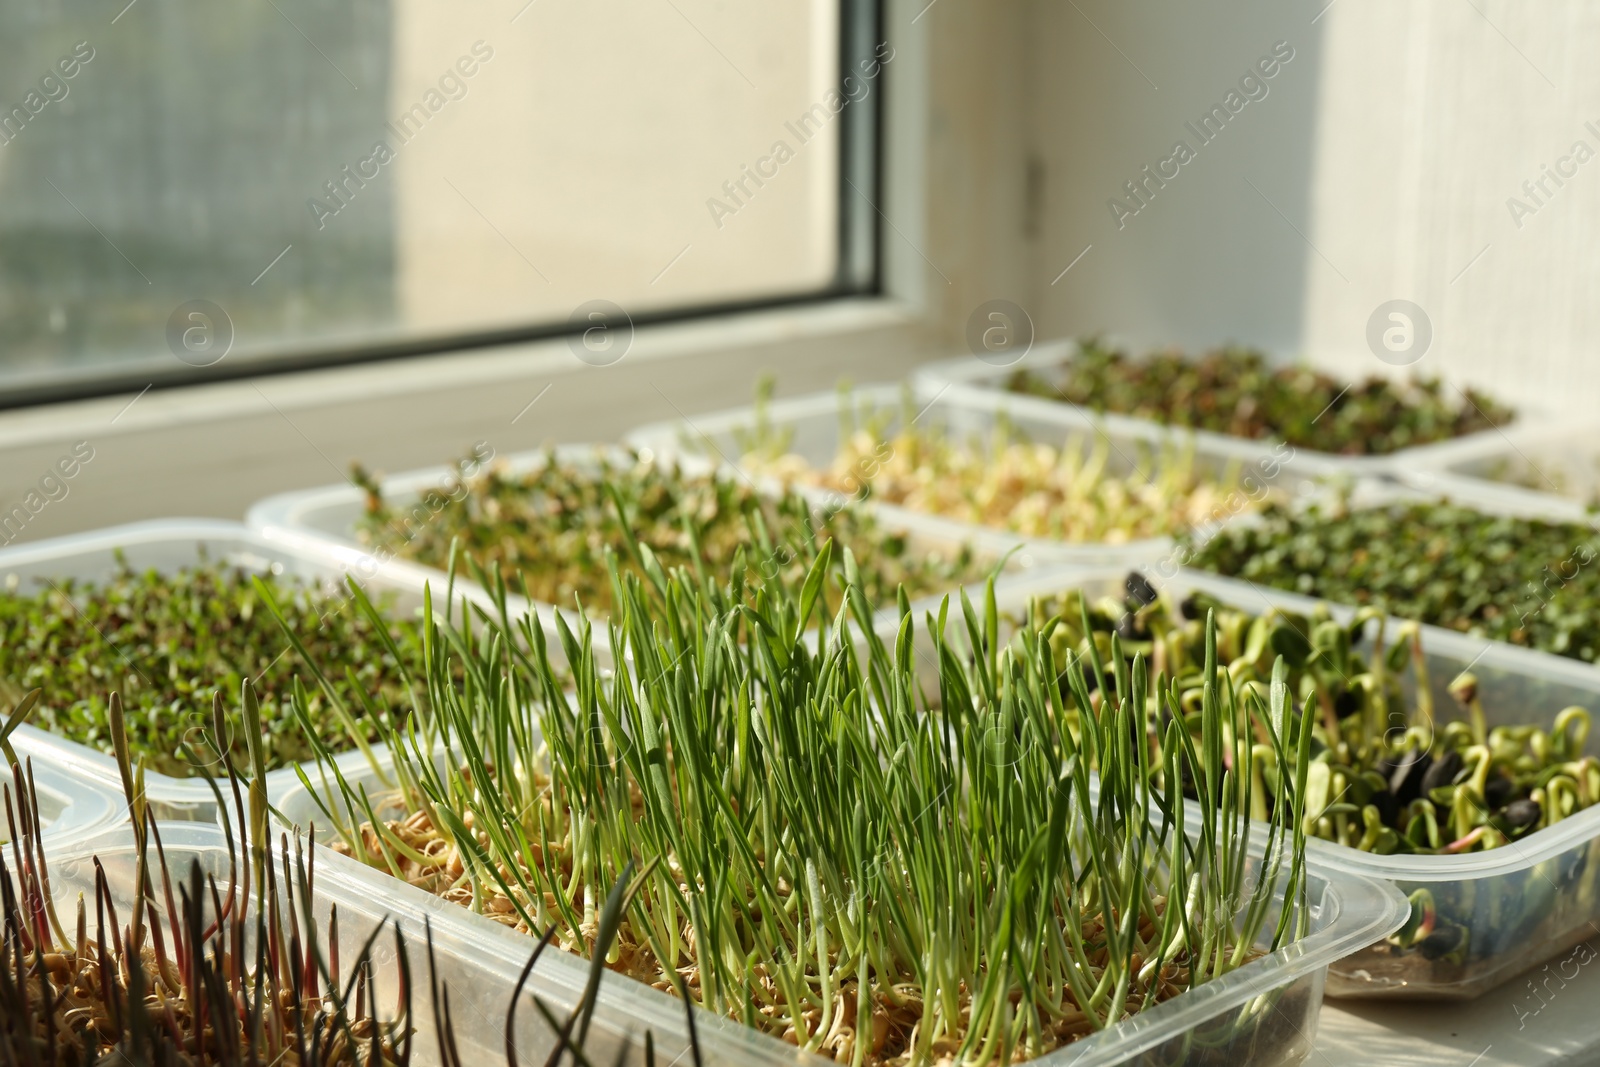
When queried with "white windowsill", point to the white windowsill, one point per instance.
{"points": [[754, 331], [213, 450]]}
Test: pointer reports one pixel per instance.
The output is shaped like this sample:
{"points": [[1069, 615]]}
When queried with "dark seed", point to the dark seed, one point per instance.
{"points": [[1388, 807], [1346, 704], [1190, 608], [1440, 943], [1520, 814], [1139, 589], [1497, 792], [1442, 773], [1406, 780]]}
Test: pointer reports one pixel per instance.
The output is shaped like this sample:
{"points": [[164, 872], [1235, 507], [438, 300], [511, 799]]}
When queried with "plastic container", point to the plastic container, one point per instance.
{"points": [[971, 379], [814, 422], [479, 971], [1553, 464], [168, 545], [1264, 1013], [1423, 487], [331, 514], [328, 517], [71, 809], [1520, 904]]}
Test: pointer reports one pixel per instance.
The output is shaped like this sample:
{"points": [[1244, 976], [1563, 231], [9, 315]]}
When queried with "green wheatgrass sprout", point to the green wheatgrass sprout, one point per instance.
{"points": [[550, 529], [1236, 391], [830, 854], [1068, 493], [167, 642]]}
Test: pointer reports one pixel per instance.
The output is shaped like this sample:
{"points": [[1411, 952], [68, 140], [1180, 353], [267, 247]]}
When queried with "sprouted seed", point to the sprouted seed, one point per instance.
{"points": [[1079, 491], [1392, 773], [1528, 582], [235, 974], [549, 530], [200, 972], [166, 642], [833, 855], [1237, 391]]}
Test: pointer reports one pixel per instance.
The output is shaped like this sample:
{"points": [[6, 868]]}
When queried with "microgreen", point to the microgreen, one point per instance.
{"points": [[1084, 489], [203, 970], [1236, 391], [166, 642], [215, 974], [1388, 770], [1393, 773], [550, 529], [1525, 581], [876, 867]]}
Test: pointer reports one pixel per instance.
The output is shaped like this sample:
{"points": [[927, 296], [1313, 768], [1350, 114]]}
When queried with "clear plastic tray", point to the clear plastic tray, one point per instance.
{"points": [[167, 545], [328, 517], [1521, 904], [1264, 1013], [479, 971], [331, 514], [1424, 487], [71, 808], [969, 378], [1550, 464], [814, 422]]}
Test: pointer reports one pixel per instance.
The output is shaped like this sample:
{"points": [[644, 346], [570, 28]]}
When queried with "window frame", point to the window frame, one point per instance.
{"points": [[859, 270]]}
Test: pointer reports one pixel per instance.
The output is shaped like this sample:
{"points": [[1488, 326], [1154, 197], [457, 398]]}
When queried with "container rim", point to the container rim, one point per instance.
{"points": [[1360, 909], [99, 768], [366, 894], [665, 438], [968, 374]]}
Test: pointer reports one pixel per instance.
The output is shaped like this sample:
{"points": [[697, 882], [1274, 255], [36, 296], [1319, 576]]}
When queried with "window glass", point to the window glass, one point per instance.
{"points": [[288, 179]]}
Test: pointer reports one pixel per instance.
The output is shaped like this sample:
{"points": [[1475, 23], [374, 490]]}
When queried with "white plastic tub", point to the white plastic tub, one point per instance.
{"points": [[1264, 1013], [969, 378], [168, 545], [1520, 904], [815, 423]]}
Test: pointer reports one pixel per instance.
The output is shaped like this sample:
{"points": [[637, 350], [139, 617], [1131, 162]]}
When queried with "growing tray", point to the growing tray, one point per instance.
{"points": [[480, 972], [1523, 903], [969, 378], [71, 808], [1264, 1013], [1552, 465], [167, 545], [814, 422], [327, 518], [1423, 487]]}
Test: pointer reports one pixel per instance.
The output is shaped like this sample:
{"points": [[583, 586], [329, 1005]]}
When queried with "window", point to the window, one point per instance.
{"points": [[294, 183]]}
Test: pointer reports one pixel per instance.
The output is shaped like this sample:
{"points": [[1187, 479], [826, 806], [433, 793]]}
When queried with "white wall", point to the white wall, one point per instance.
{"points": [[1381, 162], [1432, 115]]}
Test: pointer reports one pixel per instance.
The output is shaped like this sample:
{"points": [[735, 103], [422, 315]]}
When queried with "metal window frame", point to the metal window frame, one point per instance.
{"points": [[859, 270]]}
